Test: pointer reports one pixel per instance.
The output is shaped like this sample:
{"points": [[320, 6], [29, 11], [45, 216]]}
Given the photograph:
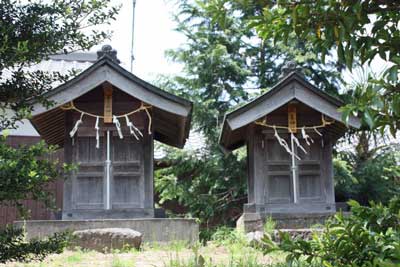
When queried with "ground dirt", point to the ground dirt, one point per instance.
{"points": [[146, 257]]}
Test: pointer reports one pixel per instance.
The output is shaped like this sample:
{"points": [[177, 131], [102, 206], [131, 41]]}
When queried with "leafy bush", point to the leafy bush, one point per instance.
{"points": [[212, 188], [365, 177], [26, 172], [225, 236], [13, 246], [370, 236]]}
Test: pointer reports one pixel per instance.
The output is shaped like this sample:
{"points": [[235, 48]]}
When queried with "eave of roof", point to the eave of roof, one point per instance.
{"points": [[183, 108], [75, 56], [290, 78], [293, 76], [107, 60]]}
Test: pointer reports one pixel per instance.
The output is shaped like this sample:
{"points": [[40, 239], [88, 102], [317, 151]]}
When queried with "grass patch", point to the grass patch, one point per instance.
{"points": [[200, 261], [120, 262], [76, 257], [175, 246], [228, 248]]}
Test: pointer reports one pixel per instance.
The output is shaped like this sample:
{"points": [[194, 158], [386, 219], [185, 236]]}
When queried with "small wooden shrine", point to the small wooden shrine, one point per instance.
{"points": [[289, 133], [107, 119]]}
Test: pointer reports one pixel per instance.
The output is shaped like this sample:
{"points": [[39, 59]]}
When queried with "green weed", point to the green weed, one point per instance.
{"points": [[269, 226], [118, 262], [76, 257]]}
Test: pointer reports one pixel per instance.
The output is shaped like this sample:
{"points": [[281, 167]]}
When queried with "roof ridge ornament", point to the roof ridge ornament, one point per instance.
{"points": [[289, 67], [107, 50]]}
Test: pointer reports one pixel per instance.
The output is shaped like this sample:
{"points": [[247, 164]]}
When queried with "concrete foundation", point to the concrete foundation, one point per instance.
{"points": [[251, 222], [153, 229], [299, 220]]}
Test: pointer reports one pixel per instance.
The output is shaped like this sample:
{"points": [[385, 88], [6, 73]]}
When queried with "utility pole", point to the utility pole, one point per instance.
{"points": [[133, 33]]}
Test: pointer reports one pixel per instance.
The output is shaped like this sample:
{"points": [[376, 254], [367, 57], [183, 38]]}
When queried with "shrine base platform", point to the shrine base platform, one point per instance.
{"points": [[251, 222], [153, 229]]}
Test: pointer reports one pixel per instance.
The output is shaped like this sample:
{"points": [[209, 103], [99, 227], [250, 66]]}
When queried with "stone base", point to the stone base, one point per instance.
{"points": [[251, 222], [290, 208], [298, 220], [107, 239], [153, 229]]}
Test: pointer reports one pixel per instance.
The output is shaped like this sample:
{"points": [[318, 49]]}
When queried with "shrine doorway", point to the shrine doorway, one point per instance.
{"points": [[110, 176]]}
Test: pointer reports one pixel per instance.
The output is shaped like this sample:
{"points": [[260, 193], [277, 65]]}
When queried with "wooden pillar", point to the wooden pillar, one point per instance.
{"points": [[68, 158]]}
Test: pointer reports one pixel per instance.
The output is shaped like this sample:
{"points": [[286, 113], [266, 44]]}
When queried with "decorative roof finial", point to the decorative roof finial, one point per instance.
{"points": [[288, 68], [109, 51]]}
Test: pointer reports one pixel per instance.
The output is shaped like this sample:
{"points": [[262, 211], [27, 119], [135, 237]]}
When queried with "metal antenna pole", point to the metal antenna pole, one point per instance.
{"points": [[294, 168], [108, 174], [133, 33]]}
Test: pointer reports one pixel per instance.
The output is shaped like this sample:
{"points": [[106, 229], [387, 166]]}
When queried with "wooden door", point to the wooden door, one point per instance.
{"points": [[309, 172], [127, 172], [279, 180], [279, 176], [88, 179]]}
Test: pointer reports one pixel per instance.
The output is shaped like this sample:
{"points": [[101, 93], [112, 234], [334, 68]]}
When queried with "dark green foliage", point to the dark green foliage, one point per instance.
{"points": [[370, 236], [210, 187], [374, 179], [358, 31], [30, 31], [13, 246], [226, 63], [369, 173]]}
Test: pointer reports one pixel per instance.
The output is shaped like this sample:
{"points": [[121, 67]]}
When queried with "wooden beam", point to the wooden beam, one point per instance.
{"points": [[292, 118], [108, 90]]}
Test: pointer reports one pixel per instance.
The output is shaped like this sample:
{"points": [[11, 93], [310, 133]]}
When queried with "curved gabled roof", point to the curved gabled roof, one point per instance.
{"points": [[167, 108], [292, 87]]}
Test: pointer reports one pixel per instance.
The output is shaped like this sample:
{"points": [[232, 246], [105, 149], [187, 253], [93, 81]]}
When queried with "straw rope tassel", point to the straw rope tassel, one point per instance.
{"points": [[149, 116], [284, 144], [71, 106], [318, 132], [75, 129], [297, 142], [118, 126], [97, 133], [306, 137], [132, 128]]}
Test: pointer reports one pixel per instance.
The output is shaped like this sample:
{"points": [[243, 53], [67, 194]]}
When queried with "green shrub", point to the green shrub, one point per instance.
{"points": [[225, 236], [370, 236], [13, 246]]}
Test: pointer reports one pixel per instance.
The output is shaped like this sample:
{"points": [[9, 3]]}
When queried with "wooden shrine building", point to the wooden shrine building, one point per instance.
{"points": [[289, 133], [107, 119]]}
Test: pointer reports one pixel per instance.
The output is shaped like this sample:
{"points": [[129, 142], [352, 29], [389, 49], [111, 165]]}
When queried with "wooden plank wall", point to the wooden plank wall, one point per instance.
{"points": [[38, 211]]}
